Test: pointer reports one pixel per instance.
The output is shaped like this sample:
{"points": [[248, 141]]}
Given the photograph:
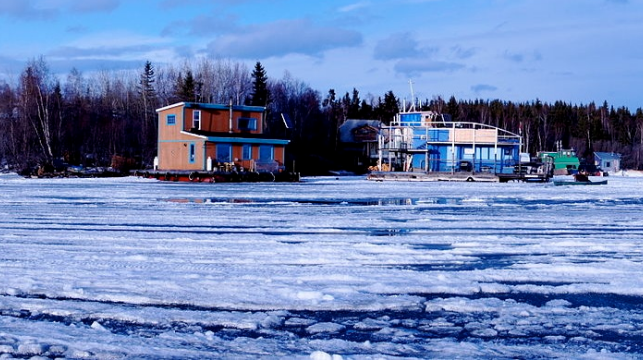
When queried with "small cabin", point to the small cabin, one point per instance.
{"points": [[207, 137], [608, 162]]}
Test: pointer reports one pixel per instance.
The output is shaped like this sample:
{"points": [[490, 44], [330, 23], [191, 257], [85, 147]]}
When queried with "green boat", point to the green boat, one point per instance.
{"points": [[565, 160]]}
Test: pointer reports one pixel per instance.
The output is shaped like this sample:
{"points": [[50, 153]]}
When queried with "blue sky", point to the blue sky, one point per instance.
{"points": [[577, 51]]}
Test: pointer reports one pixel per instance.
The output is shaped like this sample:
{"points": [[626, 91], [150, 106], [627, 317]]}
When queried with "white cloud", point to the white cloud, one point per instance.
{"points": [[354, 6], [283, 37]]}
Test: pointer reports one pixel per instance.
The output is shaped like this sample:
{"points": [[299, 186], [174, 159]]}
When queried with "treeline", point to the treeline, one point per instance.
{"points": [[87, 119]]}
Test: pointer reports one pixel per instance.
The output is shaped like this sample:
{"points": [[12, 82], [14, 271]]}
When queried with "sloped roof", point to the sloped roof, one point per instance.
{"points": [[607, 155], [346, 129]]}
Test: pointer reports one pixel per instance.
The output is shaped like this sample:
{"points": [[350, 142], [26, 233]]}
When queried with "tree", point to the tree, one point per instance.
{"points": [[36, 85], [260, 94], [147, 96], [186, 88], [388, 108]]}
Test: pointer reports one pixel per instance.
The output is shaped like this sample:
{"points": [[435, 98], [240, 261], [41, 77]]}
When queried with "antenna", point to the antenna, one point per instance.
{"points": [[412, 96]]}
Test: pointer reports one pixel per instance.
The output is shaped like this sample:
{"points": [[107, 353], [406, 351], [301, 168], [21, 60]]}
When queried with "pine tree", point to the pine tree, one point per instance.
{"points": [[186, 87], [148, 103], [260, 93]]}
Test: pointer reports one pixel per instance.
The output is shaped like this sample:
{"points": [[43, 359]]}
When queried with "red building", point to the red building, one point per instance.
{"points": [[210, 137]]}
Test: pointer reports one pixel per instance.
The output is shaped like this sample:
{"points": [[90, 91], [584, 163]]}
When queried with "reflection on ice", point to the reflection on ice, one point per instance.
{"points": [[328, 202]]}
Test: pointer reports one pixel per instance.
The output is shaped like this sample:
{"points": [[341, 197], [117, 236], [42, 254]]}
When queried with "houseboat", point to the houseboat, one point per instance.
{"points": [[203, 142], [424, 145]]}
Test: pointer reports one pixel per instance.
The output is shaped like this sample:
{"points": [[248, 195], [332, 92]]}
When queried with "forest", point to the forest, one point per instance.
{"points": [[88, 119]]}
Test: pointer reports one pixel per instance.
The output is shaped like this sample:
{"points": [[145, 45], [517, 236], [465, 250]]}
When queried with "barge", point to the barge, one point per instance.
{"points": [[428, 146], [218, 176]]}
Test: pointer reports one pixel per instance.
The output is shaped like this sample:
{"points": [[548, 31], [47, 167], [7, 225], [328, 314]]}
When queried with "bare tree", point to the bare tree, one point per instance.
{"points": [[36, 86]]}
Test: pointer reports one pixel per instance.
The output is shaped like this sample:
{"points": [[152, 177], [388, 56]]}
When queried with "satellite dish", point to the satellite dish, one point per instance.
{"points": [[286, 120]]}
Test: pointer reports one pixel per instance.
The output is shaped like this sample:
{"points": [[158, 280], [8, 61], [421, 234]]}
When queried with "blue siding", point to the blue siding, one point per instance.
{"points": [[439, 135], [410, 119]]}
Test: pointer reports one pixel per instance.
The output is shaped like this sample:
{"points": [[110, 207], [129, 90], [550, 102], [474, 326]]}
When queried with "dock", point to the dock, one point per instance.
{"points": [[217, 176], [455, 177]]}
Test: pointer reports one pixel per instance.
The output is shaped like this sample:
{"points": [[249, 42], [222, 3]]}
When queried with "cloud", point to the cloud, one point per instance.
{"points": [[98, 52], [25, 10], [64, 66], [37, 11], [202, 25], [396, 46], [78, 29], [115, 49], [461, 53], [514, 57], [168, 4], [282, 38], [354, 6], [86, 6], [417, 66], [479, 88]]}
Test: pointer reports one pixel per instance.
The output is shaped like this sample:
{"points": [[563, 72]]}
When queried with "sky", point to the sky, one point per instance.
{"points": [[577, 51], [102, 268]]}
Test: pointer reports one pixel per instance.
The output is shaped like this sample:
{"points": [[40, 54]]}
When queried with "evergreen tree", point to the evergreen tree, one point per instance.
{"points": [[186, 87], [260, 93], [148, 100], [388, 108]]}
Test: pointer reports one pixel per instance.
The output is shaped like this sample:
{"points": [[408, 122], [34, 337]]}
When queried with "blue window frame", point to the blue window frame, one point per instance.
{"points": [[170, 119], [246, 152], [247, 124], [192, 153], [224, 152], [266, 152]]}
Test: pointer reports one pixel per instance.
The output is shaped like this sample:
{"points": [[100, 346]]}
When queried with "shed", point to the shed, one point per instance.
{"points": [[608, 162]]}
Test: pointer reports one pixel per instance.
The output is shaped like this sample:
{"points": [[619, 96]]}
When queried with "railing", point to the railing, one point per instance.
{"points": [[403, 137]]}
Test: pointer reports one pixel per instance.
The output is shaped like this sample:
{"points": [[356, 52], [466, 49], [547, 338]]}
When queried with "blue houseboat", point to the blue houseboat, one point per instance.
{"points": [[425, 142]]}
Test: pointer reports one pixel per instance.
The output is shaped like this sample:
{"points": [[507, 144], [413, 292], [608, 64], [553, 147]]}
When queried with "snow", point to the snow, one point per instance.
{"points": [[126, 268]]}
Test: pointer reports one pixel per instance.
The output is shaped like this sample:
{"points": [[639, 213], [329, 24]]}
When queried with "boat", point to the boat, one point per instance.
{"points": [[565, 161], [577, 183], [580, 179]]}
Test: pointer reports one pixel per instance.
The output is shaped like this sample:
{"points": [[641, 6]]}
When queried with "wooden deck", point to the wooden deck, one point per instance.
{"points": [[217, 176]]}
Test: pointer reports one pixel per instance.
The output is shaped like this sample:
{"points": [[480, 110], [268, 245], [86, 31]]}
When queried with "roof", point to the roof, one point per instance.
{"points": [[241, 108], [236, 138], [346, 129], [607, 155]]}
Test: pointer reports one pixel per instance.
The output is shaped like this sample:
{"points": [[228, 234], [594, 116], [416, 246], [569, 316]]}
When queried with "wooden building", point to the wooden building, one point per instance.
{"points": [[210, 137]]}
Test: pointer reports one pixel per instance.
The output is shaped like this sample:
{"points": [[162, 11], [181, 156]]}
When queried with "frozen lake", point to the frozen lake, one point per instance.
{"points": [[325, 268]]}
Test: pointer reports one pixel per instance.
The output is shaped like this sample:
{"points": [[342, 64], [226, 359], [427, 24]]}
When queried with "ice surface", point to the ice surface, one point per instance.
{"points": [[322, 269]]}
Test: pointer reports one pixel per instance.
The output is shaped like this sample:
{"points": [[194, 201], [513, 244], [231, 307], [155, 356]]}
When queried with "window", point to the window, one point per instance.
{"points": [[192, 153], [247, 124], [196, 119], [246, 152], [266, 152], [608, 164], [170, 119], [224, 152]]}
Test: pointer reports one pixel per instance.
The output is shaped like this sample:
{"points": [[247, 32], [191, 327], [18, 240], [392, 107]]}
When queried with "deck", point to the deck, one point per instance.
{"points": [[455, 177], [217, 176]]}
